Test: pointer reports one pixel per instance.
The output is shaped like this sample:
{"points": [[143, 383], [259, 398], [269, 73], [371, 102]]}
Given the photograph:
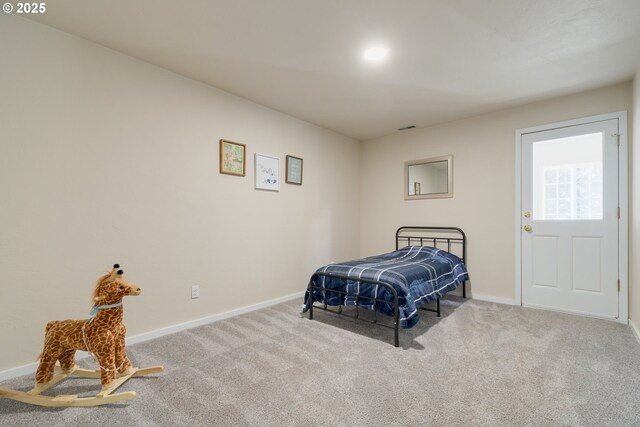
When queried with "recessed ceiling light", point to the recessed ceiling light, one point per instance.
{"points": [[376, 53]]}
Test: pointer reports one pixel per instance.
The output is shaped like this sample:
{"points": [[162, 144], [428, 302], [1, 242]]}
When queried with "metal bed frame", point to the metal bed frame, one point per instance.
{"points": [[409, 234]]}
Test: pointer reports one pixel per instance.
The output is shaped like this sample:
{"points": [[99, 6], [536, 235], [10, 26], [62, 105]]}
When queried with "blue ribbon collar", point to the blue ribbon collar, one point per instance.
{"points": [[94, 310]]}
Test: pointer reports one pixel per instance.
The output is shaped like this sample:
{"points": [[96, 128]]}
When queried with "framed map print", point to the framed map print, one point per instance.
{"points": [[232, 158]]}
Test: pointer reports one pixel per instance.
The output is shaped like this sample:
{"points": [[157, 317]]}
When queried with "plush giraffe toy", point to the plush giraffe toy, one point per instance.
{"points": [[102, 334]]}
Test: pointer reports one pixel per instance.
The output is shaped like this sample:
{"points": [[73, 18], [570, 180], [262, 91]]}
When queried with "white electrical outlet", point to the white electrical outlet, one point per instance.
{"points": [[195, 291]]}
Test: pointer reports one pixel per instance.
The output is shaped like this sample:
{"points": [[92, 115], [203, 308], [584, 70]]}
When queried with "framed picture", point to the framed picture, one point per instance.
{"points": [[267, 173], [294, 170], [232, 158]]}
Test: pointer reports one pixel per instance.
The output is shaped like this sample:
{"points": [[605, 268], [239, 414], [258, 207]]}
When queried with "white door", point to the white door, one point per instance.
{"points": [[570, 217]]}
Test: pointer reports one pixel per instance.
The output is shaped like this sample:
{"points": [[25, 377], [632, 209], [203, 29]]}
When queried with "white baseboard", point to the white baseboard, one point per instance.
{"points": [[31, 367], [19, 371], [635, 330], [210, 319], [490, 298]]}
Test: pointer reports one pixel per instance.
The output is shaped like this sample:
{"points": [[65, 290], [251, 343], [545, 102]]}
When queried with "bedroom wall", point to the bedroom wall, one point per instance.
{"points": [[634, 239], [104, 158], [483, 202]]}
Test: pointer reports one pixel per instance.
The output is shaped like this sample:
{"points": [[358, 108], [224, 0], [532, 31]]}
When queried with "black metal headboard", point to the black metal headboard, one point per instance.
{"points": [[432, 236]]}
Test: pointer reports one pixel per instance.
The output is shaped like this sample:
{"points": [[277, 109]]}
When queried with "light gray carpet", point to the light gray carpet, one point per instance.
{"points": [[480, 364]]}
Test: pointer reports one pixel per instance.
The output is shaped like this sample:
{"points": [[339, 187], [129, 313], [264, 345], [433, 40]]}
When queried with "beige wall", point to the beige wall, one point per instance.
{"points": [[104, 158], [483, 205], [634, 238]]}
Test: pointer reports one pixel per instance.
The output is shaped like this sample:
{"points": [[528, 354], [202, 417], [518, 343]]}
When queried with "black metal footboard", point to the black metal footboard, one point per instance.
{"points": [[396, 321], [358, 298]]}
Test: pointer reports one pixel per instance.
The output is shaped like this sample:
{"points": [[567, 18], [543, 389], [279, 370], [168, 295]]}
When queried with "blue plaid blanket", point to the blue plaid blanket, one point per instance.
{"points": [[419, 274]]}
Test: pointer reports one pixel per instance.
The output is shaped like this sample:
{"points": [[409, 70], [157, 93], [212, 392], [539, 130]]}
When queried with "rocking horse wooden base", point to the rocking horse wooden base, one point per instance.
{"points": [[105, 397]]}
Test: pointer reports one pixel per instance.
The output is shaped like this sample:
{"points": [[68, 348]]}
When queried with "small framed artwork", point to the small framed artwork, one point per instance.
{"points": [[294, 170], [232, 158], [267, 173]]}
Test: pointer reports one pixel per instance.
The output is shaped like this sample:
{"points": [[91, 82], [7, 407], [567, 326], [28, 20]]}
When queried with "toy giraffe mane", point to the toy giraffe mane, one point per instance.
{"points": [[96, 290], [95, 299], [98, 283]]}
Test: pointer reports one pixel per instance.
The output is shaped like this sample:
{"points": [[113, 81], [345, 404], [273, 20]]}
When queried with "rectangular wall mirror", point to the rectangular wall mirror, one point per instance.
{"points": [[428, 178]]}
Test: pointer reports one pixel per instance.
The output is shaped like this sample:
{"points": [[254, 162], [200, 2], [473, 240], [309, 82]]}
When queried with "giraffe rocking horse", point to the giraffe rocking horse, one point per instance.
{"points": [[102, 335]]}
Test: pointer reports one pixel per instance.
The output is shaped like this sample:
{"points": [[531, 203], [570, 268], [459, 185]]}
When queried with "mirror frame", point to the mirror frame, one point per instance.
{"points": [[449, 192]]}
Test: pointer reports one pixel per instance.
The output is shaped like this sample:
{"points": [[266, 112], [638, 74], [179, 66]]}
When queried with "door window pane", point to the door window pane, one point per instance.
{"points": [[567, 178]]}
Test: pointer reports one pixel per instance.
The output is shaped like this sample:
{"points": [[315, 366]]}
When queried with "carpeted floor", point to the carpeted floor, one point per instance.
{"points": [[480, 364]]}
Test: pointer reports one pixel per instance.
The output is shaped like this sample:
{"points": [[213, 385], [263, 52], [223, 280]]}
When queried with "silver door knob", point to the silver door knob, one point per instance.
{"points": [[527, 214], [528, 228]]}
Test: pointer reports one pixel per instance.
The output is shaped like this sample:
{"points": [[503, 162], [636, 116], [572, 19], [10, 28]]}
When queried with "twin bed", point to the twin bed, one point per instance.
{"points": [[423, 268]]}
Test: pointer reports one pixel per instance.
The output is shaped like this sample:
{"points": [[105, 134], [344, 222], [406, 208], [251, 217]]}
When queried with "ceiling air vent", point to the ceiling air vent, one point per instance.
{"points": [[407, 127]]}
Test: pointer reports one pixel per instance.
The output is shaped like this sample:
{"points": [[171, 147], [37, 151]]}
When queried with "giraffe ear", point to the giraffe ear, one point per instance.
{"points": [[96, 299], [115, 272]]}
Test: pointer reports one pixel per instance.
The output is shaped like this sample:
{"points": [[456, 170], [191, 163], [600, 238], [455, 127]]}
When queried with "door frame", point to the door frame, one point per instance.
{"points": [[623, 198]]}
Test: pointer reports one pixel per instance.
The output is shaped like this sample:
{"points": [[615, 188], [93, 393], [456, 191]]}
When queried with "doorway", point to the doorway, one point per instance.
{"points": [[571, 207]]}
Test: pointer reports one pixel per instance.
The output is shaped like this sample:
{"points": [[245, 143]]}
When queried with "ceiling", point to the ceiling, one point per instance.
{"points": [[447, 59]]}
